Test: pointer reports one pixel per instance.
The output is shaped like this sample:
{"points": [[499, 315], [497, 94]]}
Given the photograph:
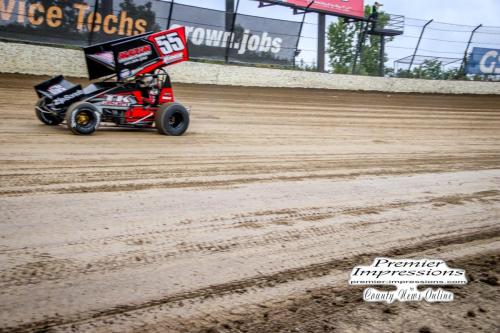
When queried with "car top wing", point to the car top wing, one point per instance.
{"points": [[137, 55]]}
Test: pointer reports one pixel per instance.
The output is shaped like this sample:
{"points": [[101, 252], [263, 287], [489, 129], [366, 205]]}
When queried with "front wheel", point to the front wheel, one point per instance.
{"points": [[45, 117], [83, 118], [172, 119]]}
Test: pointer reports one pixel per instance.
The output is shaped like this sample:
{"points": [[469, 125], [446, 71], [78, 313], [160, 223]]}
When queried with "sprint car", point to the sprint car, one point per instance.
{"points": [[133, 89]]}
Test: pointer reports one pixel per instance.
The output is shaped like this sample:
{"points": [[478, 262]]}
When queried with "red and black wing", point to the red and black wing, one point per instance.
{"points": [[137, 55]]}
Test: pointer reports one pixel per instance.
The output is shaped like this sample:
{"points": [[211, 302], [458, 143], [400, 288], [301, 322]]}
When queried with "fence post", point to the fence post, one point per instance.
{"points": [[91, 32], [359, 48], [381, 64], [229, 14], [418, 44], [300, 32], [321, 41], [172, 3], [234, 12], [464, 60]]}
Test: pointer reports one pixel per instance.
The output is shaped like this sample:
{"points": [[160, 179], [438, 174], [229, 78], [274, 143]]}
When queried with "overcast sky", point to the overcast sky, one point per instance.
{"points": [[453, 11], [439, 40]]}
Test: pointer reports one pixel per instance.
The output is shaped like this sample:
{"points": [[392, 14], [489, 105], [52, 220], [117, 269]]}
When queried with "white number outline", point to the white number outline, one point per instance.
{"points": [[170, 43]]}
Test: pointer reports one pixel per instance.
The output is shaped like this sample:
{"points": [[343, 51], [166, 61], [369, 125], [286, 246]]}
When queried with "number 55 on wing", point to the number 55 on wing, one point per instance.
{"points": [[171, 44]]}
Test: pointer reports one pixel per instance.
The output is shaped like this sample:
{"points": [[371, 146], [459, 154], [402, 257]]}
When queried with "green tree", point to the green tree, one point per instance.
{"points": [[343, 40], [431, 70], [341, 46]]}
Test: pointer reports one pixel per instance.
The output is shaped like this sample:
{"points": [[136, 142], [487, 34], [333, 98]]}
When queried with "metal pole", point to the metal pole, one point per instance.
{"points": [[321, 41], [300, 31], [381, 64], [91, 32], [361, 42], [230, 42], [464, 61], [229, 14], [172, 3], [418, 44]]}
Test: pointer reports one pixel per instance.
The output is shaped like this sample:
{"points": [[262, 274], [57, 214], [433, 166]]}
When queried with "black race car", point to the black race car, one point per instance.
{"points": [[135, 91]]}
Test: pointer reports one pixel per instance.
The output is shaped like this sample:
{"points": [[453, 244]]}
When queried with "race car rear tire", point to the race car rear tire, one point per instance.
{"points": [[172, 119], [44, 117], [82, 118]]}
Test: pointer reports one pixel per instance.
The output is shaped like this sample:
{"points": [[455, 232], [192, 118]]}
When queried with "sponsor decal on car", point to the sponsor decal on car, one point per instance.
{"points": [[169, 59], [135, 55], [56, 89], [64, 99], [118, 101], [104, 57], [126, 73], [166, 98]]}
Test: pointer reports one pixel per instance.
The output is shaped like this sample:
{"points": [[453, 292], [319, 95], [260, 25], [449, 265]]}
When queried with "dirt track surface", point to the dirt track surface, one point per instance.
{"points": [[253, 220]]}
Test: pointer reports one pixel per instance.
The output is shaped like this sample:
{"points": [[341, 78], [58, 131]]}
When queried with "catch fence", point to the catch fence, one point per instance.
{"points": [[276, 37]]}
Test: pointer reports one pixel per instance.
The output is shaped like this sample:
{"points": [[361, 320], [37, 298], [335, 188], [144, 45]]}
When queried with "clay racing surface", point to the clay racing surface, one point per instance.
{"points": [[253, 220]]}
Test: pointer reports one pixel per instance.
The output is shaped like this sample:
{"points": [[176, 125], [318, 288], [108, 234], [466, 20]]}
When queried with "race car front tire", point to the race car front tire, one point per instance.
{"points": [[44, 117], [82, 118], [172, 119]]}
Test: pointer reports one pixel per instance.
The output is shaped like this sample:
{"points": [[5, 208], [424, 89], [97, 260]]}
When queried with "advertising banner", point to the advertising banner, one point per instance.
{"points": [[484, 61], [205, 29], [262, 40], [255, 39], [78, 22], [349, 8]]}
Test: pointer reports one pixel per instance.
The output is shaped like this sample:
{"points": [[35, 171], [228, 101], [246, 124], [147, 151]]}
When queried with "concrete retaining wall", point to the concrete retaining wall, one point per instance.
{"points": [[45, 60]]}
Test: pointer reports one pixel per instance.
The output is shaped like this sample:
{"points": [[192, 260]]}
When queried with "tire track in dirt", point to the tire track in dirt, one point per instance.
{"points": [[282, 277], [36, 175], [111, 230], [44, 268], [177, 180]]}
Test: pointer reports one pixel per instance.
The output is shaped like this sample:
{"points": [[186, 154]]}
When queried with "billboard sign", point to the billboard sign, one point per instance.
{"points": [[348, 8], [77, 22], [484, 61]]}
